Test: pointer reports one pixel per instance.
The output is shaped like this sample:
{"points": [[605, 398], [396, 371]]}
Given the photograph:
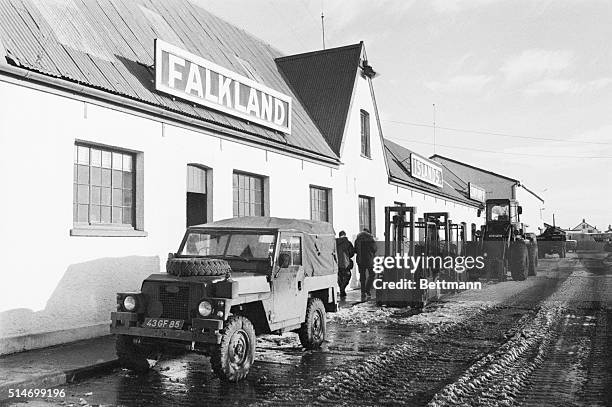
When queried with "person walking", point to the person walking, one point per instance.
{"points": [[365, 247], [346, 251]]}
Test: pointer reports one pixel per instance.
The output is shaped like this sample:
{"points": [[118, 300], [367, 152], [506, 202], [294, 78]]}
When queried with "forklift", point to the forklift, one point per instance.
{"points": [[433, 235]]}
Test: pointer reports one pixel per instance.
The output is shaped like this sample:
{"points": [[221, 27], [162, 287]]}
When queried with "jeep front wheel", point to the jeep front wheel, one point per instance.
{"points": [[232, 359], [312, 332], [132, 356]]}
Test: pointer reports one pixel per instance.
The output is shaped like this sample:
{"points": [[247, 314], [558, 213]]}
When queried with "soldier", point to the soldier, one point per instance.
{"points": [[346, 251], [365, 247]]}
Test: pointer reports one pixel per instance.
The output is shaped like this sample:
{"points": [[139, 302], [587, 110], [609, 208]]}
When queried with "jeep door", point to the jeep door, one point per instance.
{"points": [[288, 279]]}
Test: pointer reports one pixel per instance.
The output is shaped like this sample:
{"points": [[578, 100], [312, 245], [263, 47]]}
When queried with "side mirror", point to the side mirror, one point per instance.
{"points": [[479, 212], [520, 210], [170, 256], [283, 260]]}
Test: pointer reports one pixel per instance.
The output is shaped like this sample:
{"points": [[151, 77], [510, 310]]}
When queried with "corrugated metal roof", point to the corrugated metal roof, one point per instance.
{"points": [[108, 45], [324, 82], [495, 185], [398, 159]]}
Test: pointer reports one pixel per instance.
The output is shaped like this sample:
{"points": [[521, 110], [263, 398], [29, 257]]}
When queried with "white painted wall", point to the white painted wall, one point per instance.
{"points": [[57, 287], [532, 214]]}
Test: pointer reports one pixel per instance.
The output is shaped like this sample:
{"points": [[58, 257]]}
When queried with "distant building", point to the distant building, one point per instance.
{"points": [[586, 231]]}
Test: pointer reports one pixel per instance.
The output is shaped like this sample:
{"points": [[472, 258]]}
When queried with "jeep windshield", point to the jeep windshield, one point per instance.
{"points": [[241, 245]]}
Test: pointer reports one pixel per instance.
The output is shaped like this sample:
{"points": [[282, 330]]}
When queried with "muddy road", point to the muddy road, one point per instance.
{"points": [[543, 341]]}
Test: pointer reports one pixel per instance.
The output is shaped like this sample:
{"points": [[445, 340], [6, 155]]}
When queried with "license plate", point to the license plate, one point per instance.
{"points": [[163, 323]]}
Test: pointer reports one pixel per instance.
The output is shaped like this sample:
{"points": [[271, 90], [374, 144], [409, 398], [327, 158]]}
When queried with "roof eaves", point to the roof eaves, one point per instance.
{"points": [[87, 90]]}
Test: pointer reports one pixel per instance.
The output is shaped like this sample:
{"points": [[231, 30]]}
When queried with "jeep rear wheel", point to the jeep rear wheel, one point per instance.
{"points": [[232, 359], [312, 332], [197, 267], [132, 356]]}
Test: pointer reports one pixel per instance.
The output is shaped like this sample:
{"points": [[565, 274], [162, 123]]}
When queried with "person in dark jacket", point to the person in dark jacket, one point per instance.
{"points": [[345, 250], [365, 247]]}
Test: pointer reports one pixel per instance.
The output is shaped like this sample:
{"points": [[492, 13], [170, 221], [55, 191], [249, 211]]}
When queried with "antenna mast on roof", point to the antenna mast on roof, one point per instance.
{"points": [[322, 24], [434, 128]]}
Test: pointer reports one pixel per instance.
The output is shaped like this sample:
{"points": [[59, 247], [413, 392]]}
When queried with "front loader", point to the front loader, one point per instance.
{"points": [[505, 245]]}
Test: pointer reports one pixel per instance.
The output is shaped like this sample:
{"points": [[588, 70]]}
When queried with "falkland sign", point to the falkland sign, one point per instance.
{"points": [[426, 170], [193, 78]]}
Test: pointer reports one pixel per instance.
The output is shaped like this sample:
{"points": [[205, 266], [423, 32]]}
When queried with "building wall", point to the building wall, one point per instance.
{"points": [[63, 287], [532, 210]]}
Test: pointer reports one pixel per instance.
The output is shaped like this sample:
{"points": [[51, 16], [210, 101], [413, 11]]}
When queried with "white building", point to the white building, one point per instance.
{"points": [[103, 164]]}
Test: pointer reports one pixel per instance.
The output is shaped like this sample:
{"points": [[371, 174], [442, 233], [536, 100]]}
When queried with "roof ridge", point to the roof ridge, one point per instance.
{"points": [[474, 167], [241, 29], [318, 52]]}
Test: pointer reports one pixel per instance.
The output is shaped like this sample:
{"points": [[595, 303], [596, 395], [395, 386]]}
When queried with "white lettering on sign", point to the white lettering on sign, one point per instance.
{"points": [[476, 192], [426, 170], [193, 78]]}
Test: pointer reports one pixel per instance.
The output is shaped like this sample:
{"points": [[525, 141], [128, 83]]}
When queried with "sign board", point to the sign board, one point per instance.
{"points": [[477, 193], [426, 170], [193, 78]]}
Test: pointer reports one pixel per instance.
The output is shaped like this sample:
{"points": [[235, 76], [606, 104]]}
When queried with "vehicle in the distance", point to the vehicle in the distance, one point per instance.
{"points": [[229, 281], [571, 245]]}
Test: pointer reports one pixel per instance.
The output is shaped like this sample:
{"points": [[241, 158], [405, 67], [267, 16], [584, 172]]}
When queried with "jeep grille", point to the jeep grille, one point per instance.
{"points": [[174, 305]]}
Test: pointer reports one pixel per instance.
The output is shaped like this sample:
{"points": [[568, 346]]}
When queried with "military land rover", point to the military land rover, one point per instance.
{"points": [[229, 281]]}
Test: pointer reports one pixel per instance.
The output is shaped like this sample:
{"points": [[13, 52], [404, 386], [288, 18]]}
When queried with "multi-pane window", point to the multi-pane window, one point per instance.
{"points": [[319, 204], [365, 212], [365, 133], [103, 186], [248, 195]]}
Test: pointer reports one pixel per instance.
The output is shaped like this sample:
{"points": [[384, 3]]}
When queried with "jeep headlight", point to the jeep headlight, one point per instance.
{"points": [[129, 303], [205, 308]]}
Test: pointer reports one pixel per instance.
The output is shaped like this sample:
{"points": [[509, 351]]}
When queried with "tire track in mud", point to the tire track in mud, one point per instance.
{"points": [[412, 372], [560, 357]]}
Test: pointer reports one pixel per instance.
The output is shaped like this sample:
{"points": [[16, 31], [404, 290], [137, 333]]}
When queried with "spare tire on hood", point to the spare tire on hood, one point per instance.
{"points": [[185, 267]]}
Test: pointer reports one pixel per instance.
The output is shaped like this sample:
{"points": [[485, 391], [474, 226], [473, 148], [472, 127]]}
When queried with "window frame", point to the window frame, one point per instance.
{"points": [[364, 123], [136, 228], [265, 208], [291, 250], [208, 174], [328, 202], [372, 221]]}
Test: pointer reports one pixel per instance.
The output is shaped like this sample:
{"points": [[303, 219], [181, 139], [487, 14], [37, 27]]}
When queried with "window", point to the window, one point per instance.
{"points": [[366, 212], [196, 195], [365, 133], [104, 185], [248, 195], [292, 246], [498, 212], [320, 200]]}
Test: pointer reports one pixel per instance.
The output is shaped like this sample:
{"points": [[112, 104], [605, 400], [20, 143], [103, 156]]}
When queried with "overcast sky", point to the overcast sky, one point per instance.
{"points": [[526, 69]]}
